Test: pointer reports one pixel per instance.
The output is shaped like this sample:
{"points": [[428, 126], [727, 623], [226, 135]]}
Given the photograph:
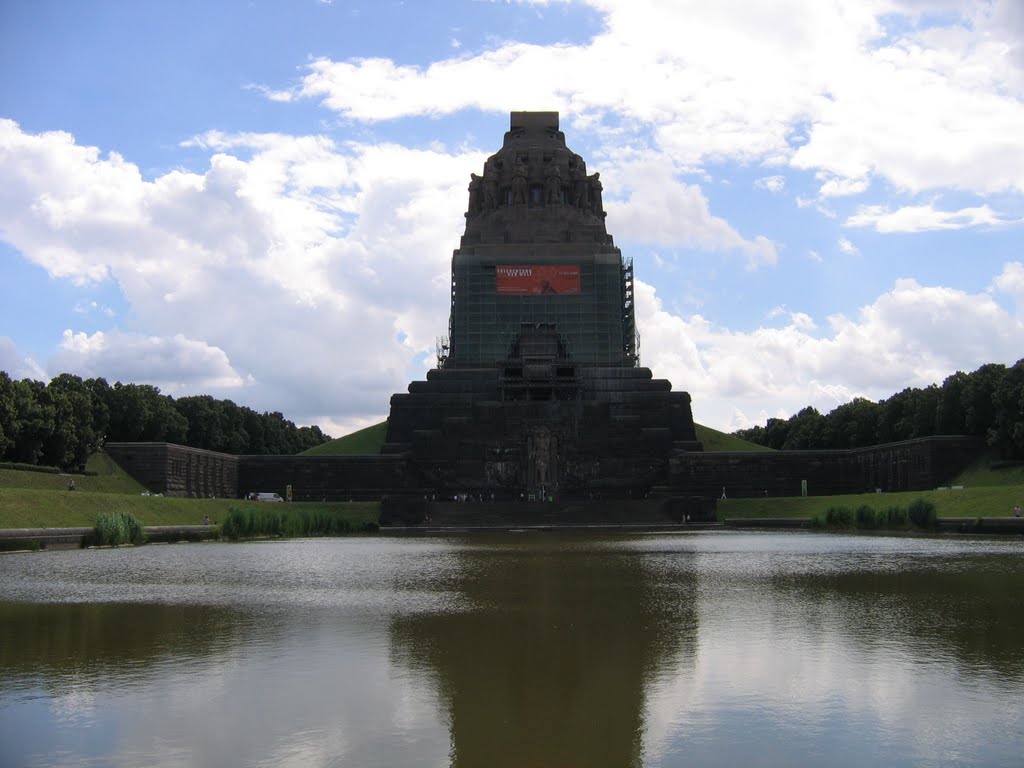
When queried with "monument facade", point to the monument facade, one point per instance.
{"points": [[538, 392]]}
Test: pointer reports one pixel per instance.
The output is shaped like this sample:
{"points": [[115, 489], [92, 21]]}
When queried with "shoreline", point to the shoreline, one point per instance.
{"points": [[72, 538]]}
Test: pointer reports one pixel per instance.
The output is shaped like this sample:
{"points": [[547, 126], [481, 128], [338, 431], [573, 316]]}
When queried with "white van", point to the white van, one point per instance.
{"points": [[268, 497]]}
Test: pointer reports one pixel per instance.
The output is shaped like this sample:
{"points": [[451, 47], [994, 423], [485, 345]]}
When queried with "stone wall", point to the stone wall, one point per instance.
{"points": [[177, 470], [326, 478], [911, 465]]}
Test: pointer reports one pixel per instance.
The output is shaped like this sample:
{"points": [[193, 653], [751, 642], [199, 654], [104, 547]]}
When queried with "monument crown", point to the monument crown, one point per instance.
{"points": [[536, 255]]}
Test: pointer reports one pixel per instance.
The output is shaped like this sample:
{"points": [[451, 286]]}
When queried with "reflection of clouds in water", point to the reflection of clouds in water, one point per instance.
{"points": [[786, 645], [75, 702], [262, 703]]}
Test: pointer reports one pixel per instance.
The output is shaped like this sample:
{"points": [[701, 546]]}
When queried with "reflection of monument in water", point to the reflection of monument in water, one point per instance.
{"points": [[553, 658], [538, 388]]}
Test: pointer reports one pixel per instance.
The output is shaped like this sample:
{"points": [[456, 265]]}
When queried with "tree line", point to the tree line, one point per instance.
{"points": [[988, 403], [60, 423]]}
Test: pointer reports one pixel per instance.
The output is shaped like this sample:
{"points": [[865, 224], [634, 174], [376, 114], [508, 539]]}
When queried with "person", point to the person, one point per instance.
{"points": [[1017, 511], [206, 519], [71, 485], [723, 491]]}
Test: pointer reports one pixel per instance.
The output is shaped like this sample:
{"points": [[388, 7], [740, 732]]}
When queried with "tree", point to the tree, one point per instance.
{"points": [[852, 425], [977, 398], [949, 414], [8, 415], [1007, 431], [806, 430], [74, 435], [139, 413], [34, 421]]}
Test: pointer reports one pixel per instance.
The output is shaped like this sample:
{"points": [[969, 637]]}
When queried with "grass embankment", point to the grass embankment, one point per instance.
{"points": [[40, 500], [982, 501], [365, 442], [714, 440]]}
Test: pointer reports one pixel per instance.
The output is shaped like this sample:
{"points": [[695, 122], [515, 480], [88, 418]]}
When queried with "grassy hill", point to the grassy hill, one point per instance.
{"points": [[370, 440], [714, 440], [41, 500], [362, 443]]}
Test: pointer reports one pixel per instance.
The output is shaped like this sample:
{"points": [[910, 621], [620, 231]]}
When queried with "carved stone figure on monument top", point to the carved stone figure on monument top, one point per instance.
{"points": [[490, 186], [519, 185], [474, 195], [578, 172], [596, 204], [553, 185]]}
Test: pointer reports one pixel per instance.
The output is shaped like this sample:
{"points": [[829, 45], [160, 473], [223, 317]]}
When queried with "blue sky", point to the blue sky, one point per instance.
{"points": [[259, 200]]}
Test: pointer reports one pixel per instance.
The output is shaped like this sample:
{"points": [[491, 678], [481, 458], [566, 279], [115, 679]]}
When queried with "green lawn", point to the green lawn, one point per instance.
{"points": [[978, 501], [35, 508], [714, 440], [41, 500], [365, 442]]}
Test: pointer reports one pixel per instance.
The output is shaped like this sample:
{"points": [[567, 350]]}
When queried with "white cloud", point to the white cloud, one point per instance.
{"points": [[1011, 281], [662, 210], [15, 365], [913, 335], [770, 183], [313, 274], [176, 364], [820, 85], [922, 218], [843, 187], [845, 246]]}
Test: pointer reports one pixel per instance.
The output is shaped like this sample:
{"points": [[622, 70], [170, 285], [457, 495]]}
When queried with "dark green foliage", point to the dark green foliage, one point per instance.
{"points": [[896, 518], [837, 517], [117, 528], [29, 467], [922, 514], [988, 403], [61, 423], [291, 522], [867, 518]]}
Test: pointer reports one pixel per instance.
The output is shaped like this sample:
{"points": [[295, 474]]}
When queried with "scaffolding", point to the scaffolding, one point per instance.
{"points": [[596, 324]]}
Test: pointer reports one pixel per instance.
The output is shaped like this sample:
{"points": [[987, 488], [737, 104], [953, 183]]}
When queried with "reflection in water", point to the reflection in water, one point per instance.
{"points": [[535, 650], [549, 665]]}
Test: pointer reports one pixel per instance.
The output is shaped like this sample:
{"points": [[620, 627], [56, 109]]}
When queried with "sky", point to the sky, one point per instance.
{"points": [[258, 200]]}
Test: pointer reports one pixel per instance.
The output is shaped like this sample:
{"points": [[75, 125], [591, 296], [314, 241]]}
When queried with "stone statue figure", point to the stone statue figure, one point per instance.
{"points": [[474, 195], [519, 185], [553, 185], [490, 186], [596, 204], [579, 183]]}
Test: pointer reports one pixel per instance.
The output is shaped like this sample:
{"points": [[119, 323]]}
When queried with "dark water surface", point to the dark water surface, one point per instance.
{"points": [[715, 649]]}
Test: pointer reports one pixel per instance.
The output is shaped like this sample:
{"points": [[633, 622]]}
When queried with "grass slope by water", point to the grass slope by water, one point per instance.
{"points": [[980, 501], [41, 500], [36, 499]]}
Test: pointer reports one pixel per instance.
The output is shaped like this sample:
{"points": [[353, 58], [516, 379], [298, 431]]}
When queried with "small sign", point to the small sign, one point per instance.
{"points": [[288, 492]]}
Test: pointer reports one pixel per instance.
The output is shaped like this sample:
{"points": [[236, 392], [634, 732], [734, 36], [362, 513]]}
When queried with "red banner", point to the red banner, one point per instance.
{"points": [[533, 279]]}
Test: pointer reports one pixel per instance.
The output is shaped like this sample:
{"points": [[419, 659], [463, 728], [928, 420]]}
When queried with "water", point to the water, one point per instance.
{"points": [[517, 650]]}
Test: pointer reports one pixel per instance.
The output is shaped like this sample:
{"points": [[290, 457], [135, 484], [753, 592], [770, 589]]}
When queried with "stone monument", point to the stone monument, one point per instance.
{"points": [[538, 392]]}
